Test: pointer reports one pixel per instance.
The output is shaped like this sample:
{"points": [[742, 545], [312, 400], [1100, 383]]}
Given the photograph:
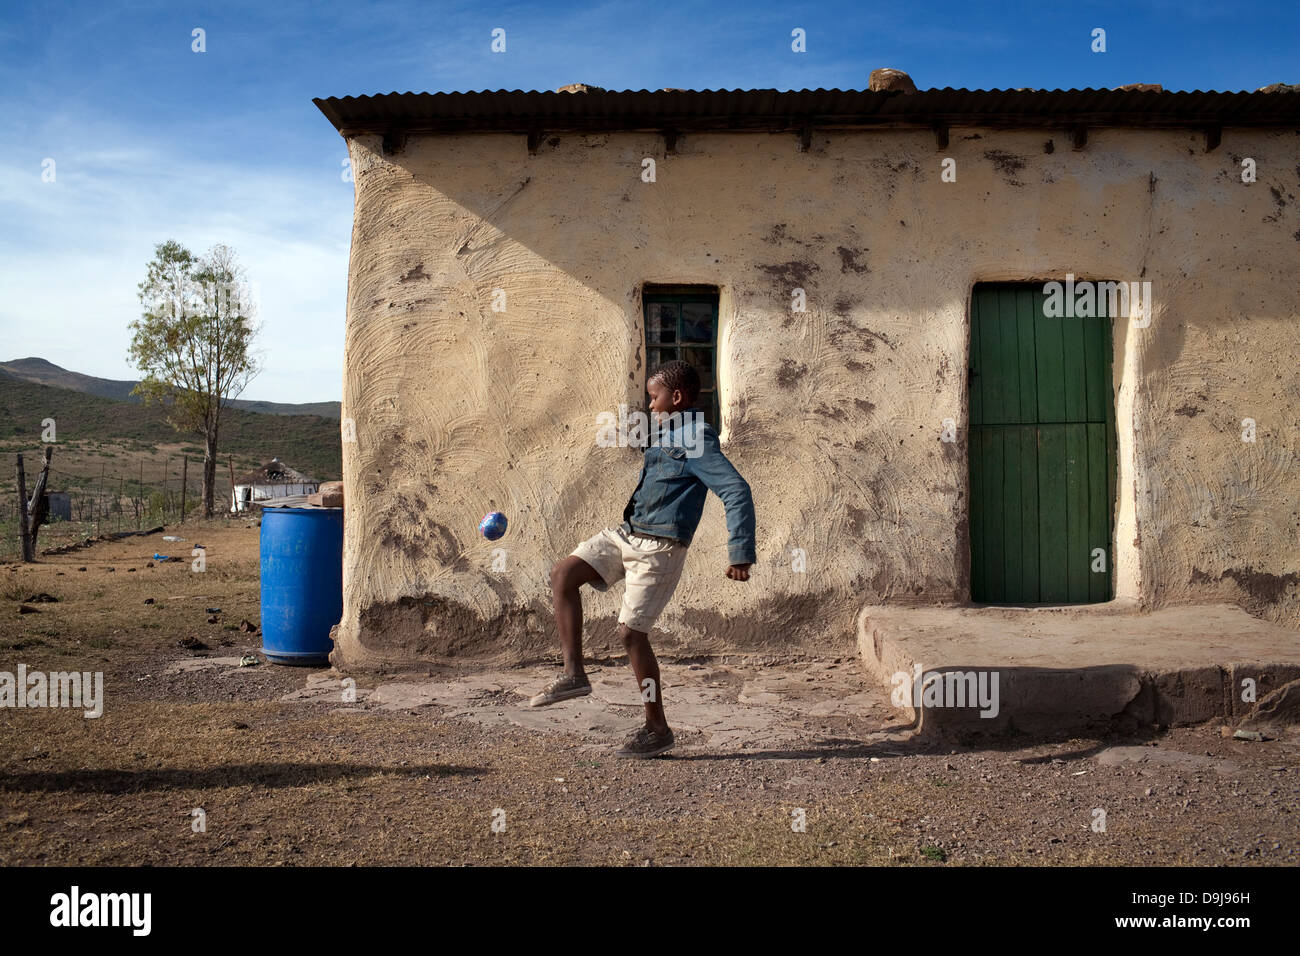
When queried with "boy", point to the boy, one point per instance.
{"points": [[649, 547]]}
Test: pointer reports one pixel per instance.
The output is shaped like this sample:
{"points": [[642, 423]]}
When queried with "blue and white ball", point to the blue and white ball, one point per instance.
{"points": [[493, 525]]}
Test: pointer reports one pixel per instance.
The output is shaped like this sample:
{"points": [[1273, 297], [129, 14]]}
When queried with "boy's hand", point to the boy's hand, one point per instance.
{"points": [[738, 572]]}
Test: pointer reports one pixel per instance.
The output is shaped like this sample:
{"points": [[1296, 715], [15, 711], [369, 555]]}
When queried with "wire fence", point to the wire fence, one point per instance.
{"points": [[106, 504]]}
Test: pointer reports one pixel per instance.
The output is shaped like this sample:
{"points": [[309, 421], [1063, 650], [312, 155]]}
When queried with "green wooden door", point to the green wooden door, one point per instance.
{"points": [[1042, 451]]}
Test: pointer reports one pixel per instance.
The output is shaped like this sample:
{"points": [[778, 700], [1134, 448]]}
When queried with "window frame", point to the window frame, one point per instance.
{"points": [[709, 400]]}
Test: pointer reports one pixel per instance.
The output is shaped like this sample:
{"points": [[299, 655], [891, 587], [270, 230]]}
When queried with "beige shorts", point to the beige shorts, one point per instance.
{"points": [[652, 567]]}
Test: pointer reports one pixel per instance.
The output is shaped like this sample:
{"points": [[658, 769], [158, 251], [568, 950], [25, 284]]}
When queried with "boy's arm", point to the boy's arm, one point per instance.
{"points": [[720, 476]]}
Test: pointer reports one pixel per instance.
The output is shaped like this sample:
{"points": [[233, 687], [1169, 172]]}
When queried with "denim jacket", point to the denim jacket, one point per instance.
{"points": [[677, 473]]}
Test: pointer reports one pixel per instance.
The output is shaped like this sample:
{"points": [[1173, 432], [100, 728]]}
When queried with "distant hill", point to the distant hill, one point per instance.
{"points": [[309, 443], [41, 372]]}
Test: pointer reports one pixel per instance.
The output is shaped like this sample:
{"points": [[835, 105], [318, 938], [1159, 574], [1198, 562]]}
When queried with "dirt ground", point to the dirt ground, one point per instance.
{"points": [[790, 762]]}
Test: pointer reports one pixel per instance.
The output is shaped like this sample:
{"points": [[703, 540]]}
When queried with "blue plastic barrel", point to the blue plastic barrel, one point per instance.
{"points": [[302, 583]]}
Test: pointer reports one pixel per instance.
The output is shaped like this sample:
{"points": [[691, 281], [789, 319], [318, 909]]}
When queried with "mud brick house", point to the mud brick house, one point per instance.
{"points": [[863, 278]]}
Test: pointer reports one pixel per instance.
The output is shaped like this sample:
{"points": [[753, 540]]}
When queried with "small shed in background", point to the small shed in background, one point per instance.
{"points": [[59, 504], [275, 479]]}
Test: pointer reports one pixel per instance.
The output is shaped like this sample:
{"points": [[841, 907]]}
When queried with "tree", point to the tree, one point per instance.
{"points": [[192, 344]]}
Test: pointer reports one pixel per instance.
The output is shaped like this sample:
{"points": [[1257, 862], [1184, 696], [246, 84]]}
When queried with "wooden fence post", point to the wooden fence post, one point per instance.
{"points": [[38, 509], [23, 539]]}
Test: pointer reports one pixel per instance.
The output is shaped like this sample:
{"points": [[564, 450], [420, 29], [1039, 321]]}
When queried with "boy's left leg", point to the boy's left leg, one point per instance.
{"points": [[566, 577]]}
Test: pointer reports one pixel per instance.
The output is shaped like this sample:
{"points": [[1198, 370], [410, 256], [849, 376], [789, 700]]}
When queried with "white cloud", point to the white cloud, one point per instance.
{"points": [[76, 249]]}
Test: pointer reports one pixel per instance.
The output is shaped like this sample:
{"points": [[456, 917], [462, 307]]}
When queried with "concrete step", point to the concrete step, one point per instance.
{"points": [[962, 671]]}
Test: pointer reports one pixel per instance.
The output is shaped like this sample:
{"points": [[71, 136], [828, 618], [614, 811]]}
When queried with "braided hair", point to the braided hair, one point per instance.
{"points": [[678, 376]]}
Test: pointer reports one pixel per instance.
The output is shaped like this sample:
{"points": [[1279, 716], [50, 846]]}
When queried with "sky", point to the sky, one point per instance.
{"points": [[151, 140]]}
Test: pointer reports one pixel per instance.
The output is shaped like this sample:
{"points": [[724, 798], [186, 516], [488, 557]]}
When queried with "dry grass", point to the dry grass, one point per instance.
{"points": [[293, 783]]}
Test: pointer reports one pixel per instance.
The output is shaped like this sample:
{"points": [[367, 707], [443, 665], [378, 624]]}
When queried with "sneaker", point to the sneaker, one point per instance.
{"points": [[647, 743], [562, 688]]}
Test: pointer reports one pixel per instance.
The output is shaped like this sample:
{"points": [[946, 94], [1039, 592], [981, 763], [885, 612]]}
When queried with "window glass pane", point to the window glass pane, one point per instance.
{"points": [[659, 356], [662, 325], [702, 361], [697, 322], [669, 327]]}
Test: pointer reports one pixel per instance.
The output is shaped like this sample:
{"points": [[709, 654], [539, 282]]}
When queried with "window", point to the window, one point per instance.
{"points": [[681, 323]]}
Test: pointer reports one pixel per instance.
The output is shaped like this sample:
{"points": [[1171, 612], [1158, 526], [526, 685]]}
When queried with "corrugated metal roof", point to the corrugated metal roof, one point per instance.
{"points": [[523, 110]]}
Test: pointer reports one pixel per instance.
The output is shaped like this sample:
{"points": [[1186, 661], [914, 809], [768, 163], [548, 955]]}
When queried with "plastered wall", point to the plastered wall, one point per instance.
{"points": [[834, 415]]}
